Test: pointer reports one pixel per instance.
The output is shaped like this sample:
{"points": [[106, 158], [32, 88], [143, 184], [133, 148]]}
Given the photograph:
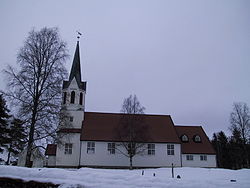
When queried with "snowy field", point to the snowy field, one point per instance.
{"points": [[105, 178]]}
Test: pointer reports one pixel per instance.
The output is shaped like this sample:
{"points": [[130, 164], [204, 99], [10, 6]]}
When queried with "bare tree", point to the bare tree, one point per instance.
{"points": [[36, 86], [240, 121], [132, 130]]}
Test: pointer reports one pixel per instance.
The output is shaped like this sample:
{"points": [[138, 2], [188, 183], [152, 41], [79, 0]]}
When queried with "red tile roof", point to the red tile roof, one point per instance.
{"points": [[51, 149], [102, 127], [191, 147], [160, 129]]}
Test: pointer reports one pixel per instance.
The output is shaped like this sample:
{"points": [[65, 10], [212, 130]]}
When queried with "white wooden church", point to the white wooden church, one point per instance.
{"points": [[91, 141]]}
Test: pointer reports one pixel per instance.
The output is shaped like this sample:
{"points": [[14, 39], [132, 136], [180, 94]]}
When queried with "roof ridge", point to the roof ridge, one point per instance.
{"points": [[188, 126], [120, 113]]}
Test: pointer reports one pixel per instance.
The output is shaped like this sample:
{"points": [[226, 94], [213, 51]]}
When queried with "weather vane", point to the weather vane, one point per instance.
{"points": [[78, 35]]}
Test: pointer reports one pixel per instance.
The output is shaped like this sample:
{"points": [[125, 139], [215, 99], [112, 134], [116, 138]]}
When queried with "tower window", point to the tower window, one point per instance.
{"points": [[64, 97], [80, 100], [72, 97]]}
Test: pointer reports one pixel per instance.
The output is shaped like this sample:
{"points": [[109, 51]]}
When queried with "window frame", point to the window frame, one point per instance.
{"points": [[72, 97], [195, 139], [184, 138], [151, 149], [111, 148], [68, 148], [90, 147], [81, 99], [203, 157], [71, 118], [131, 148], [170, 149], [189, 157]]}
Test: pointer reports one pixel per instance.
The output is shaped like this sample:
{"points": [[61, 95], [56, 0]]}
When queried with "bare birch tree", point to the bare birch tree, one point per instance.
{"points": [[132, 130], [240, 121], [35, 88]]}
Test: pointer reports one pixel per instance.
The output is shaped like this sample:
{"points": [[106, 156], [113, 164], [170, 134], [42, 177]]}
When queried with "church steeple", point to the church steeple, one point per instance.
{"points": [[74, 91], [75, 71], [76, 67]]}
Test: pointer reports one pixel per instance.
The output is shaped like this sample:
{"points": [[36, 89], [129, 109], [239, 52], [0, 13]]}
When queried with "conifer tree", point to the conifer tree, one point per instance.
{"points": [[237, 153], [3, 124], [17, 139], [221, 145]]}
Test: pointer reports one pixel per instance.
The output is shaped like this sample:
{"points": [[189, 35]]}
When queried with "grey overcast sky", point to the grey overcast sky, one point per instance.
{"points": [[189, 58]]}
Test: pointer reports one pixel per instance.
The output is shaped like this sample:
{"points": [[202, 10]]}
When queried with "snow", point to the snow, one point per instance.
{"points": [[3, 156], [107, 178]]}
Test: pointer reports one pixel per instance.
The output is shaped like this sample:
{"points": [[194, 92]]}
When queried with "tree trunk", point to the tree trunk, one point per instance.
{"points": [[29, 146], [31, 137], [246, 155], [8, 159], [131, 164]]}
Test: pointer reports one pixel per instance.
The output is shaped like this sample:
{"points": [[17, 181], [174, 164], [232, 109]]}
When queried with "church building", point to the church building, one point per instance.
{"points": [[88, 139]]}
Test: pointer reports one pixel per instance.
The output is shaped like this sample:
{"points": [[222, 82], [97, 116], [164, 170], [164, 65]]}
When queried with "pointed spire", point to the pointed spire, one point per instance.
{"points": [[75, 71], [76, 67]]}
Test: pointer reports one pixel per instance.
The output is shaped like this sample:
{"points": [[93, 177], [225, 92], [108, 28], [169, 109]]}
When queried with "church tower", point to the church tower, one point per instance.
{"points": [[74, 90]]}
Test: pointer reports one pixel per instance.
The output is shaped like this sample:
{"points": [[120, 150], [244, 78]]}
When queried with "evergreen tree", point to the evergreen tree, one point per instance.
{"points": [[215, 144], [236, 150], [224, 146], [221, 145], [3, 124], [17, 139]]}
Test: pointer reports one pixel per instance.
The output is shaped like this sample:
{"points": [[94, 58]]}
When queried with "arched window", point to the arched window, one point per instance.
{"points": [[64, 97], [197, 138], [184, 138], [72, 97], [80, 99]]}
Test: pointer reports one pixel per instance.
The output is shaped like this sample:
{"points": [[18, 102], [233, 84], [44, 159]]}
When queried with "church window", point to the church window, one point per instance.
{"points": [[151, 149], [170, 149], [64, 97], [203, 157], [90, 147], [189, 157], [71, 118], [111, 148], [80, 99], [68, 148], [131, 148], [72, 97]]}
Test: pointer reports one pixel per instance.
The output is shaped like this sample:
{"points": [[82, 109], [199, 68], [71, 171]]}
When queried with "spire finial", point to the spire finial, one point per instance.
{"points": [[78, 35]]}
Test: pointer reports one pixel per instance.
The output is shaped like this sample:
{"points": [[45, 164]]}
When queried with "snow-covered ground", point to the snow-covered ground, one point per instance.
{"points": [[105, 178]]}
